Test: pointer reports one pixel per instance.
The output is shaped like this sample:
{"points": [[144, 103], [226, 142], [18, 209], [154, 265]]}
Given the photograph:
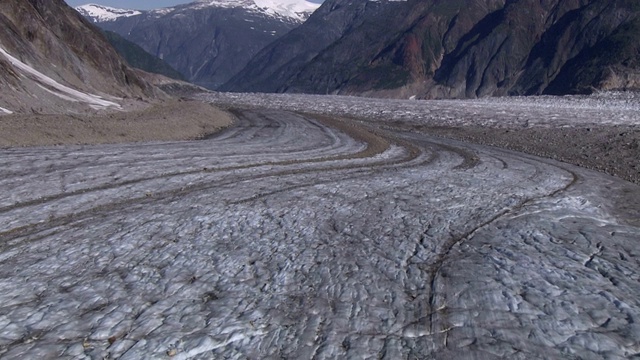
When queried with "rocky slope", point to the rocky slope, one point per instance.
{"points": [[53, 60], [454, 49], [206, 41], [140, 59]]}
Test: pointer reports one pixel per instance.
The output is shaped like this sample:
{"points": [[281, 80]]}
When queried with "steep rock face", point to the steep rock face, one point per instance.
{"points": [[273, 67], [140, 59], [49, 52], [454, 49], [599, 49], [208, 42], [405, 53]]}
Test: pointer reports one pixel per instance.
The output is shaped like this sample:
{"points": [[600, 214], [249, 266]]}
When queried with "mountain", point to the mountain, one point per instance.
{"points": [[53, 60], [207, 41], [101, 13], [453, 49], [140, 59]]}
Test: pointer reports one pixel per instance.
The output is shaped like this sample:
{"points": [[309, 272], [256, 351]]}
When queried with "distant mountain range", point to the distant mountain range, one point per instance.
{"points": [[207, 41], [53, 60], [401, 49], [453, 49]]}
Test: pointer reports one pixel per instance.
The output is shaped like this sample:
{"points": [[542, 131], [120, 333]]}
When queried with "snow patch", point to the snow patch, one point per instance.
{"points": [[94, 101], [6, 111], [101, 13], [295, 9], [298, 10]]}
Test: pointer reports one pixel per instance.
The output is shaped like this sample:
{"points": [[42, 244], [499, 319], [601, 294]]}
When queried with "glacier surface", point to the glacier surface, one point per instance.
{"points": [[298, 236]]}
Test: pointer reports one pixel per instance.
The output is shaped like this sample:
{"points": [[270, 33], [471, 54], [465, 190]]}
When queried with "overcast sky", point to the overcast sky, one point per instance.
{"points": [[130, 4], [138, 4]]}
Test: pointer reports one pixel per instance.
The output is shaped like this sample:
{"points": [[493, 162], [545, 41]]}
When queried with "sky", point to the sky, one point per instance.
{"points": [[137, 4]]}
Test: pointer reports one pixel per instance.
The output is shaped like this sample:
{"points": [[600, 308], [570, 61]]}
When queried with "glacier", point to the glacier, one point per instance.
{"points": [[314, 236]]}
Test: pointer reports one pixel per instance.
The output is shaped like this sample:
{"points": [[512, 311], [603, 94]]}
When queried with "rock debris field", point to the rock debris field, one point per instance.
{"points": [[313, 236]]}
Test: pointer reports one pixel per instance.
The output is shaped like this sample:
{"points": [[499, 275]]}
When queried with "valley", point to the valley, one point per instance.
{"points": [[144, 217], [206, 41]]}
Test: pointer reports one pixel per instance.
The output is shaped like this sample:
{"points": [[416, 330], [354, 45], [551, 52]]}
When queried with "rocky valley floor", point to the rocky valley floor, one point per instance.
{"points": [[162, 121], [349, 233]]}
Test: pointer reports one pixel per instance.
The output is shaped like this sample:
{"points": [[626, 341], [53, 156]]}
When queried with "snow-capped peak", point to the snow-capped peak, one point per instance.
{"points": [[299, 9], [295, 9], [102, 13]]}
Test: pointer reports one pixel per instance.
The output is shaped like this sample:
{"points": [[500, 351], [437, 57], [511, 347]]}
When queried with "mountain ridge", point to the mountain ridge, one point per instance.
{"points": [[454, 49], [52, 59], [206, 42], [99, 12], [295, 10], [138, 58]]}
